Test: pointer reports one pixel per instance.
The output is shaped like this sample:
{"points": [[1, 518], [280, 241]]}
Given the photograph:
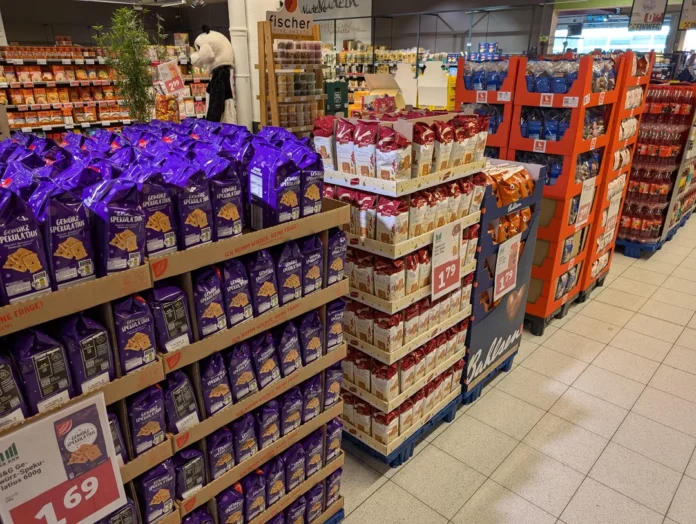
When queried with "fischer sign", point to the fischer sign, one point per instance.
{"points": [[290, 21]]}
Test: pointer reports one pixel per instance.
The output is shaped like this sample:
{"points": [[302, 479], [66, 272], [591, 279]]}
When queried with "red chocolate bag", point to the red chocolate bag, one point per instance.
{"points": [[412, 273], [419, 356], [441, 200], [459, 144], [422, 150], [362, 415], [367, 214], [393, 155], [365, 324], [458, 368], [365, 141], [407, 373], [329, 191], [392, 220], [480, 182], [441, 351], [385, 381], [345, 147], [385, 426], [424, 307], [430, 210], [416, 215], [425, 267], [405, 416], [418, 399], [324, 140], [350, 196], [390, 278], [362, 371], [389, 330], [469, 125], [467, 189], [454, 197], [442, 146], [411, 315]]}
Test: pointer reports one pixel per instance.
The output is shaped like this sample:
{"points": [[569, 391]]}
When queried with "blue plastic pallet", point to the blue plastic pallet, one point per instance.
{"points": [[473, 394], [337, 517], [634, 249], [405, 451]]}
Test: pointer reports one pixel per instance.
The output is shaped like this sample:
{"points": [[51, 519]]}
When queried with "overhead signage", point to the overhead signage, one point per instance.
{"points": [[687, 20], [289, 20], [333, 9], [647, 15]]}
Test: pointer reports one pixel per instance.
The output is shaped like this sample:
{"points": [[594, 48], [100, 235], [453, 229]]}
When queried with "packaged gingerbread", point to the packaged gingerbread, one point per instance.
{"points": [[367, 214], [350, 196], [364, 323], [441, 349], [389, 278], [422, 150], [385, 426], [412, 273], [323, 133], [405, 416], [365, 141], [411, 315], [462, 329], [447, 382], [430, 219], [418, 398], [425, 267], [457, 370], [473, 234], [349, 408], [416, 215], [451, 344], [345, 146], [467, 190], [424, 306], [442, 144], [385, 380], [419, 357], [430, 353], [442, 205], [429, 398], [454, 198], [459, 142], [388, 330], [364, 272], [362, 415], [434, 314], [349, 317], [348, 365], [407, 372], [467, 286], [362, 371], [393, 155], [392, 220]]}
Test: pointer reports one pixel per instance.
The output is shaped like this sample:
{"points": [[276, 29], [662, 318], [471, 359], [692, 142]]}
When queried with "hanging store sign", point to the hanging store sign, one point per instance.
{"points": [[333, 9], [687, 19], [289, 20], [647, 15]]}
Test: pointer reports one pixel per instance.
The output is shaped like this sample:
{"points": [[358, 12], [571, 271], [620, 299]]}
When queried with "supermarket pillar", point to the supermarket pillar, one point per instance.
{"points": [[214, 53]]}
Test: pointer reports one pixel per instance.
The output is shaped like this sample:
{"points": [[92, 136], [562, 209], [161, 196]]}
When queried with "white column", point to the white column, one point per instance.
{"points": [[239, 38], [3, 35]]}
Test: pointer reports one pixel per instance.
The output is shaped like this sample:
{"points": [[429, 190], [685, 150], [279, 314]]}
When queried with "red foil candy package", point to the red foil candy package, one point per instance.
{"points": [[324, 140], [365, 140], [442, 145], [422, 150], [390, 278], [389, 330], [393, 155], [345, 147], [392, 220]]}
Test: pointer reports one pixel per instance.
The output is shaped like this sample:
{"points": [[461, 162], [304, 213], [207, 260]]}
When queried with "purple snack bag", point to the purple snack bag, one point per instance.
{"points": [[117, 437], [120, 225], [312, 264], [267, 419], [242, 378], [290, 411], [336, 259], [274, 470], [170, 311], [333, 380], [313, 445], [289, 272], [207, 294], [24, 271], [199, 516], [156, 492], [264, 358], [288, 346], [315, 502], [235, 289], [226, 193], [262, 282], [190, 472], [89, 352], [135, 333], [311, 398], [155, 197], [334, 324], [311, 331], [294, 461], [13, 408], [43, 367], [230, 505], [180, 403], [193, 206], [295, 513], [333, 486], [66, 233], [254, 485], [334, 432], [278, 519], [214, 383], [81, 443], [146, 414], [244, 438], [311, 175], [126, 514], [220, 452]]}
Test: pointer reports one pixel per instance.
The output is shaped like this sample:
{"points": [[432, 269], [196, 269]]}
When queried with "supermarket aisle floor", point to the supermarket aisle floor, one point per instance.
{"points": [[596, 423]]}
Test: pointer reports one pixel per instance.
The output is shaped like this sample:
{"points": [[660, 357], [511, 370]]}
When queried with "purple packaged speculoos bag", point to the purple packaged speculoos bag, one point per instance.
{"points": [[226, 194], [312, 264], [180, 403], [156, 491], [274, 470], [333, 381], [313, 445], [241, 374], [13, 408], [146, 415], [294, 461], [278, 519], [288, 347], [66, 233], [135, 333], [235, 290], [333, 486], [208, 300], [311, 398], [214, 384], [44, 370], [230, 505], [24, 272], [126, 514], [311, 332], [199, 516], [170, 310], [120, 225], [254, 485], [76, 432], [315, 502], [262, 281], [155, 196], [263, 355], [193, 207], [295, 512], [117, 437], [290, 411], [220, 447], [289, 272], [334, 324], [89, 352], [189, 468], [267, 419], [334, 432], [244, 437], [338, 247], [311, 176]]}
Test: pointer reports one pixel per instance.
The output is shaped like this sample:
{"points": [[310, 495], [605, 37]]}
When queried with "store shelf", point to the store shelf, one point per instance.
{"points": [[54, 83], [398, 188], [196, 79], [306, 98], [234, 411], [300, 490], [387, 449], [83, 125], [45, 61], [390, 404], [334, 514], [64, 105], [257, 460], [147, 460], [396, 354], [395, 251], [297, 68], [249, 328], [389, 306]]}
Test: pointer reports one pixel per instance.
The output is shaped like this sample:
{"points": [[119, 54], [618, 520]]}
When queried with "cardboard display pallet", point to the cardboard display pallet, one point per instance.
{"points": [[474, 392], [537, 325]]}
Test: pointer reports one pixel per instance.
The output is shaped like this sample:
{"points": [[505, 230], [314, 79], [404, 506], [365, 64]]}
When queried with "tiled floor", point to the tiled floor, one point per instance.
{"points": [[595, 424]]}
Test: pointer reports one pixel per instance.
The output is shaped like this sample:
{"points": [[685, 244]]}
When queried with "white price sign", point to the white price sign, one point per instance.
{"points": [[446, 264], [170, 76], [506, 266], [585, 204], [647, 15], [614, 205], [62, 469]]}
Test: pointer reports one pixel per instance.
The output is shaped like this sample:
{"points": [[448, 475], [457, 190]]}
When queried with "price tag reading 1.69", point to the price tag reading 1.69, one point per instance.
{"points": [[446, 265]]}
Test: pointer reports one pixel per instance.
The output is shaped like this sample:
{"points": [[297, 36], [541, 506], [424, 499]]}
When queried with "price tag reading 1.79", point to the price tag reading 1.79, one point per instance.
{"points": [[506, 266], [446, 265]]}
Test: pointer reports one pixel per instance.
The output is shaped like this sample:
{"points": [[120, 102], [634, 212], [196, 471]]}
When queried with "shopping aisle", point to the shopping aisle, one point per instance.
{"points": [[596, 423]]}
